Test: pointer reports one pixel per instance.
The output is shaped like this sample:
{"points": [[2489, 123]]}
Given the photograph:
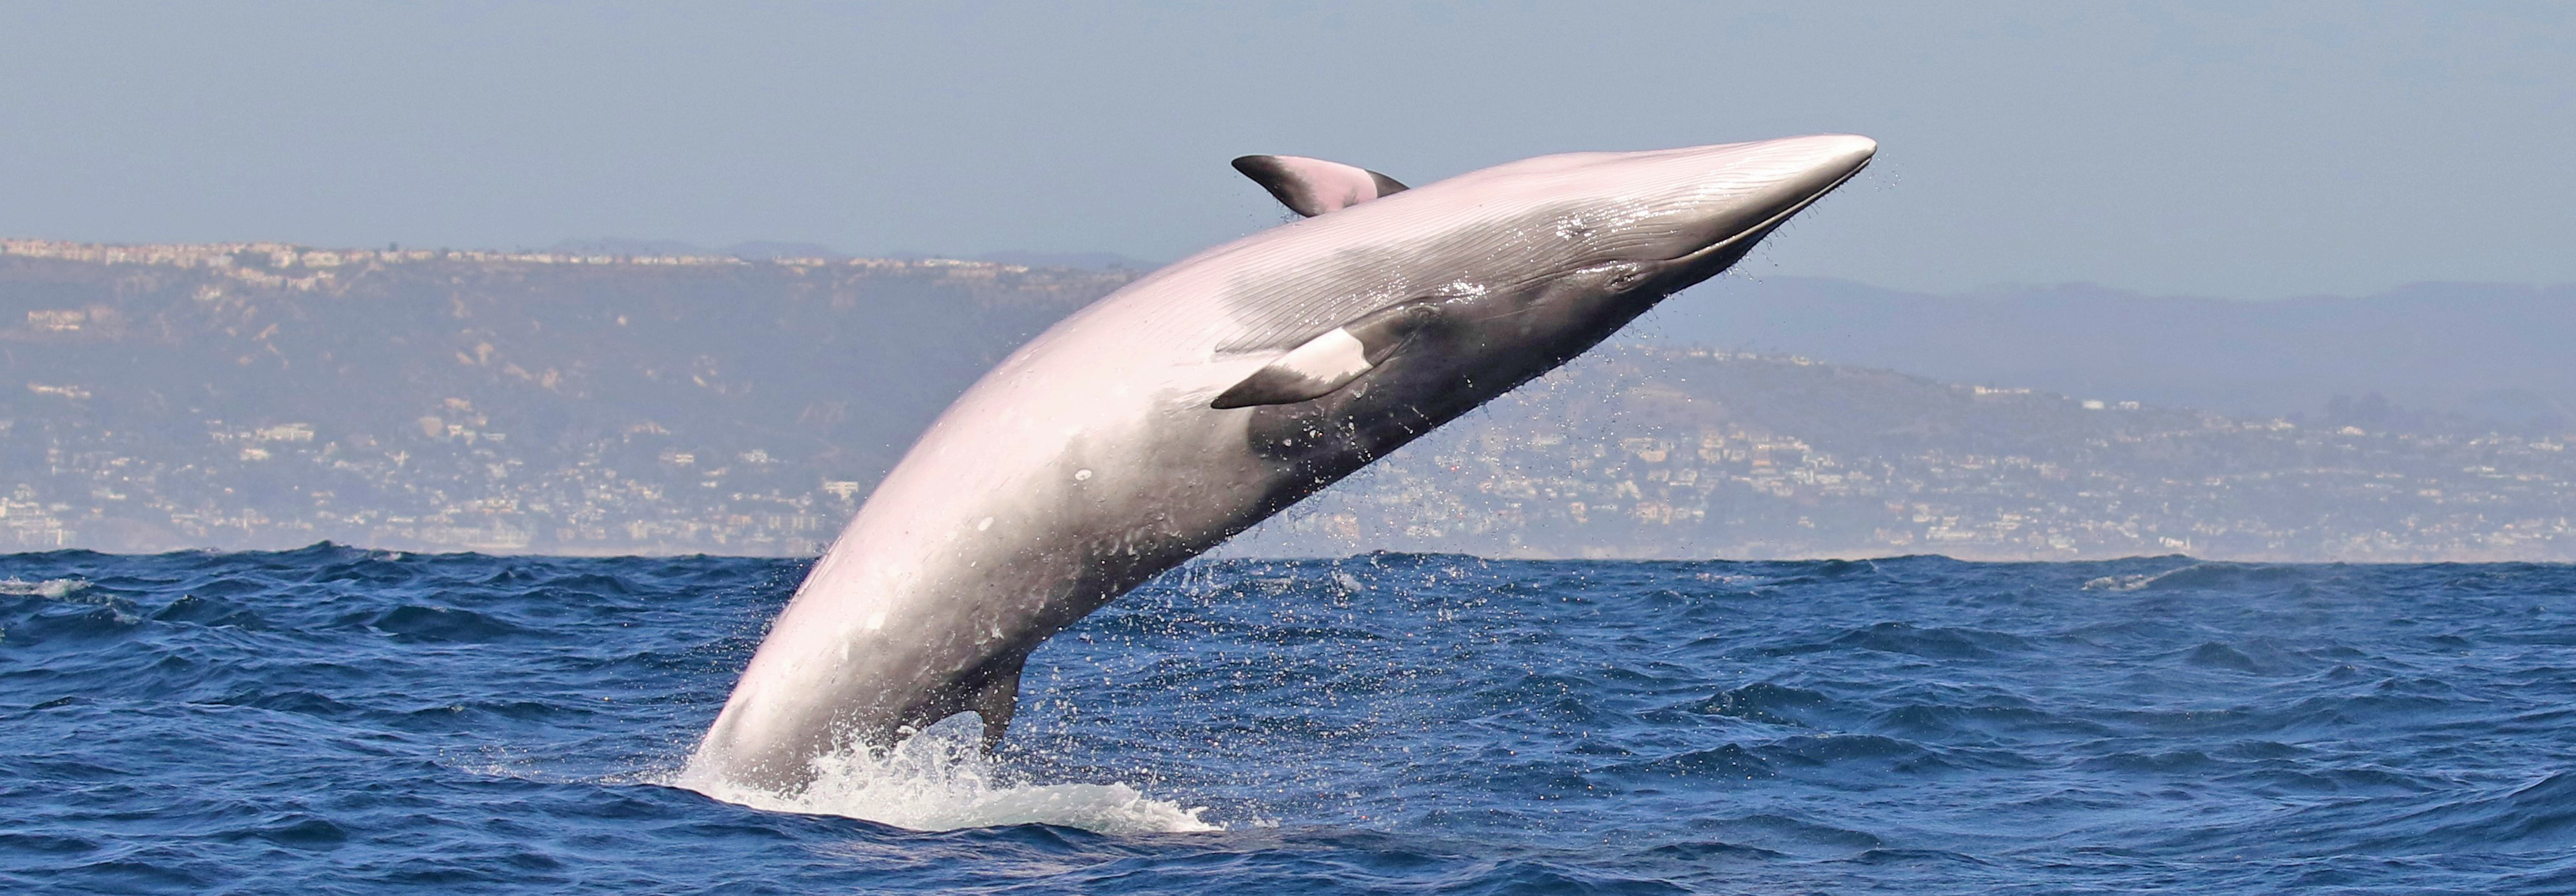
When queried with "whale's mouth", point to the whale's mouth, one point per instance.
{"points": [[1742, 241]]}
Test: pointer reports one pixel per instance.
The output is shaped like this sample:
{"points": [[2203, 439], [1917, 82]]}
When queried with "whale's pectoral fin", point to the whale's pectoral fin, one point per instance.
{"points": [[1312, 187], [995, 703], [1328, 362]]}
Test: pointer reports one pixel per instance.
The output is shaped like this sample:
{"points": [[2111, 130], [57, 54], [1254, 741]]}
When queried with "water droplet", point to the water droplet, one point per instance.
{"points": [[1082, 475]]}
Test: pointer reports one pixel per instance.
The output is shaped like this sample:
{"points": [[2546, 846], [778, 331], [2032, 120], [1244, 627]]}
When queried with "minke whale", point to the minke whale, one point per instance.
{"points": [[1201, 399]]}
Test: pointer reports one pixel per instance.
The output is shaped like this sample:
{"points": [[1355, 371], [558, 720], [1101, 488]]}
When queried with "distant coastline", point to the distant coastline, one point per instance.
{"points": [[268, 395]]}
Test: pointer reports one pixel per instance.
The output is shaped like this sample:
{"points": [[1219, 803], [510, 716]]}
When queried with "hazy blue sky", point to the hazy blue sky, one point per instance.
{"points": [[2231, 149]]}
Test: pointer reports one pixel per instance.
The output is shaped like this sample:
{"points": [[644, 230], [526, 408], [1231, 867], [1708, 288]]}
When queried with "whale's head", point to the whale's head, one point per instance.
{"points": [[1627, 224], [1470, 286], [1660, 220]]}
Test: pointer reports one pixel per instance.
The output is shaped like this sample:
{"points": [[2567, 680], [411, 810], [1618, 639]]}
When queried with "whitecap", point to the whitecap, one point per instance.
{"points": [[55, 589]]}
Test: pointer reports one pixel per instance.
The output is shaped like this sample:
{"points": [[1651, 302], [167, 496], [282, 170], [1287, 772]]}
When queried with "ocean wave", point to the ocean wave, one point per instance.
{"points": [[52, 589], [333, 719]]}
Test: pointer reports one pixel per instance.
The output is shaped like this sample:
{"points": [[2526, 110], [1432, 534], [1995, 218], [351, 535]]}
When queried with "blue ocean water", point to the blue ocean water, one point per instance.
{"points": [[337, 720]]}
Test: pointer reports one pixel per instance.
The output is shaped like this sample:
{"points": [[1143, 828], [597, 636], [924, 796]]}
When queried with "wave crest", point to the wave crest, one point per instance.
{"points": [[55, 589]]}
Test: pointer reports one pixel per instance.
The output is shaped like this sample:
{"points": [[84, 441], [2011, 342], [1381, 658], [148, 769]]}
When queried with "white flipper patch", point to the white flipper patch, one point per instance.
{"points": [[1328, 362], [1307, 372]]}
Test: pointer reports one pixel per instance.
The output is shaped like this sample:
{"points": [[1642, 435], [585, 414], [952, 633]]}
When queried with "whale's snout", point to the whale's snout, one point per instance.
{"points": [[1762, 184], [1823, 163], [1743, 191], [1839, 155]]}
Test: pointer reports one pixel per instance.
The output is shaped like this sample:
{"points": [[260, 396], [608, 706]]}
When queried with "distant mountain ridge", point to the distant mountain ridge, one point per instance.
{"points": [[768, 250], [2428, 357], [2456, 357], [845, 360], [586, 400]]}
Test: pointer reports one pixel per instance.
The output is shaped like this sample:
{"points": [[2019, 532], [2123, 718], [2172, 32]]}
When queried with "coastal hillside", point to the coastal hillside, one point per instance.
{"points": [[258, 395], [2429, 357]]}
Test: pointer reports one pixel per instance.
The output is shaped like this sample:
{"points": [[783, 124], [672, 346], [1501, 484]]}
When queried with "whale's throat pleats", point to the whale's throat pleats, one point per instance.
{"points": [[1326, 363]]}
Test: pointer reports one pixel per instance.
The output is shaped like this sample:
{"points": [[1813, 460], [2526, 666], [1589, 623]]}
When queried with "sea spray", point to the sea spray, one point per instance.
{"points": [[941, 780]]}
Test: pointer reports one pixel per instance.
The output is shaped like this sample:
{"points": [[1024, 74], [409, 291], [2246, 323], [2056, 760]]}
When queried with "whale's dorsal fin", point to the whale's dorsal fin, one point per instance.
{"points": [[1328, 362], [1312, 187], [995, 702]]}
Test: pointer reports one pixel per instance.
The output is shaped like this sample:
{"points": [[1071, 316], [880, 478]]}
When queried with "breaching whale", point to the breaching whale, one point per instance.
{"points": [[1206, 396]]}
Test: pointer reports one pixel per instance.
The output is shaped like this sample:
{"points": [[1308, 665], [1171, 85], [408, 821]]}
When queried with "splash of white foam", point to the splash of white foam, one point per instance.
{"points": [[940, 780], [2130, 582], [53, 589]]}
